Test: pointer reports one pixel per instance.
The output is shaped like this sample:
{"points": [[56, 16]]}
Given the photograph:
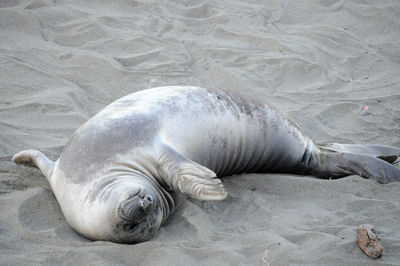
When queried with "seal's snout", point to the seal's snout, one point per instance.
{"points": [[137, 207], [146, 203]]}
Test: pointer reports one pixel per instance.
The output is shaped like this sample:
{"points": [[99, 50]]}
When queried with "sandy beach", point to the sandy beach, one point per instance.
{"points": [[333, 66]]}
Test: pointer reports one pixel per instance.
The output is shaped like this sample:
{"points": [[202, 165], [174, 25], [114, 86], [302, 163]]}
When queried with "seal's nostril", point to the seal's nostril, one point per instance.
{"points": [[146, 202], [149, 198], [142, 204]]}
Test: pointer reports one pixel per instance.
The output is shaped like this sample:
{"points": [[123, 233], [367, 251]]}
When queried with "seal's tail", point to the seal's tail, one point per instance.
{"points": [[35, 159], [368, 161]]}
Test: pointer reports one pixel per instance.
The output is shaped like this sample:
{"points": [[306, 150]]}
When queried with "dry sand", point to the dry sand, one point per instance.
{"points": [[321, 62]]}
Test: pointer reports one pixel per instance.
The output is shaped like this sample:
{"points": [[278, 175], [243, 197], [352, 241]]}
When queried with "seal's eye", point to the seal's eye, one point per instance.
{"points": [[129, 227]]}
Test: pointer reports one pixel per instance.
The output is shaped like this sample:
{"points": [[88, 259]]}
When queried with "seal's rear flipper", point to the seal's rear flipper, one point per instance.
{"points": [[35, 159], [188, 177], [387, 153], [335, 164]]}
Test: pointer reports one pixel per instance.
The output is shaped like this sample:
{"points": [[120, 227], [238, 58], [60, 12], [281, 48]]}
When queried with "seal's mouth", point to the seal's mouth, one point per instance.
{"points": [[147, 222]]}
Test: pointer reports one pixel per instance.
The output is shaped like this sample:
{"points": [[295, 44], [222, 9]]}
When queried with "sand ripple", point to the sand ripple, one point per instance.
{"points": [[321, 62]]}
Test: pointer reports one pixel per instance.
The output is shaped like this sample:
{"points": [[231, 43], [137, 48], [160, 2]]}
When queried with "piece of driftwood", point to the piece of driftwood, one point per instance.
{"points": [[368, 241]]}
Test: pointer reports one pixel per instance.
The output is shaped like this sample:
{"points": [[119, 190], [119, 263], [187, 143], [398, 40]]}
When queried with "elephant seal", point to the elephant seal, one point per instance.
{"points": [[117, 176]]}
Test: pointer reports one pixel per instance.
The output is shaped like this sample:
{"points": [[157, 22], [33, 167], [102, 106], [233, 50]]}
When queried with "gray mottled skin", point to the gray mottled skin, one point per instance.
{"points": [[117, 176]]}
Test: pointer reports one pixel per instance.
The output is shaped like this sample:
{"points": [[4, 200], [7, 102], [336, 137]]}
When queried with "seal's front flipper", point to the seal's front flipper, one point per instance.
{"points": [[35, 159], [188, 177]]}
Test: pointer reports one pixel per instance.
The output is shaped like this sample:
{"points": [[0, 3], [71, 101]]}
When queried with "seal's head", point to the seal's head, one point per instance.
{"points": [[139, 216], [122, 210]]}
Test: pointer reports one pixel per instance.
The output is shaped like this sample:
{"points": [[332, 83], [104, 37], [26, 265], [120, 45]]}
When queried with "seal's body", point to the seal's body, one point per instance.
{"points": [[116, 178]]}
